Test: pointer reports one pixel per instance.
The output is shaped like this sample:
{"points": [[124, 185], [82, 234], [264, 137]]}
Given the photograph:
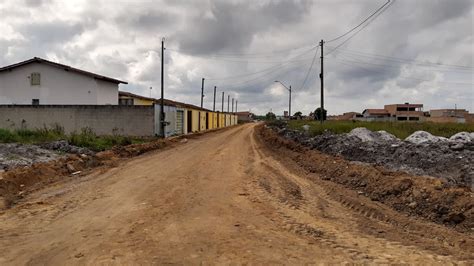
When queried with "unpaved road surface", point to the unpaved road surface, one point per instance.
{"points": [[219, 198]]}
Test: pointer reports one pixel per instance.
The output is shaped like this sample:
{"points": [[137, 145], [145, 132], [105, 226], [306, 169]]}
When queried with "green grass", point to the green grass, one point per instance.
{"points": [[399, 129], [86, 138]]}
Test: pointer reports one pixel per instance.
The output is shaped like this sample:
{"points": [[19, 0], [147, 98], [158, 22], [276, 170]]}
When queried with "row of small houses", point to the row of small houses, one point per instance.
{"points": [[39, 93], [185, 118], [181, 118]]}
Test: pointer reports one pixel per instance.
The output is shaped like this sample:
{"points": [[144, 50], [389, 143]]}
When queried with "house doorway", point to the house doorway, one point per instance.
{"points": [[190, 121]]}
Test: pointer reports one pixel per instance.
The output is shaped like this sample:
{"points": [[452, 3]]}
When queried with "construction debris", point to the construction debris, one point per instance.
{"points": [[421, 153]]}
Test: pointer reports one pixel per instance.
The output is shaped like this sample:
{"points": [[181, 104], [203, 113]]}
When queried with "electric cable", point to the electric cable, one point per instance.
{"points": [[360, 24]]}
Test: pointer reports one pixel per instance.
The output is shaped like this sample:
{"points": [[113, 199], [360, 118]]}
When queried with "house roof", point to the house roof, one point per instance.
{"points": [[406, 105], [376, 111], [129, 94], [65, 67], [243, 113], [167, 101]]}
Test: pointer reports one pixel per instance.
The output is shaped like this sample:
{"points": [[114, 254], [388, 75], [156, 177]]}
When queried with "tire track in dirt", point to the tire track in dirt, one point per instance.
{"points": [[202, 202], [364, 215]]}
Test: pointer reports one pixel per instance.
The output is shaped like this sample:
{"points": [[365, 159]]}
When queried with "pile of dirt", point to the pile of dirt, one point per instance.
{"points": [[421, 153], [433, 199], [14, 155], [64, 146], [16, 183]]}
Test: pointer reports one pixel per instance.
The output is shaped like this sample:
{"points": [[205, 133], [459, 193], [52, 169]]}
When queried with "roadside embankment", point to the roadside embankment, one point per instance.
{"points": [[422, 196], [421, 153], [49, 166]]}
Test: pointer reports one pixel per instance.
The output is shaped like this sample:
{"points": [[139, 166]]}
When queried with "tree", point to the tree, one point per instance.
{"points": [[270, 116], [298, 115], [317, 114]]}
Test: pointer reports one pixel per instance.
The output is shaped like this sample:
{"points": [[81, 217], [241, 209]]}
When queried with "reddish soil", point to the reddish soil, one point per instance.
{"points": [[237, 196], [18, 182], [422, 196]]}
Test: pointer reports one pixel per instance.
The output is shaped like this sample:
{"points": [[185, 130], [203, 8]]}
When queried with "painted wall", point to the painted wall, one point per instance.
{"points": [[195, 121], [202, 125], [58, 86], [170, 117], [101, 119], [221, 120], [138, 101]]}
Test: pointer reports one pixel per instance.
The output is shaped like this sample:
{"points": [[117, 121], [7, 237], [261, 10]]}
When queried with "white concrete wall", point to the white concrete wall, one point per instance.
{"points": [[58, 86], [101, 119]]}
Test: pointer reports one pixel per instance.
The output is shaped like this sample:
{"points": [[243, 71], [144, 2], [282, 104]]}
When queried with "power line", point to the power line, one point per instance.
{"points": [[393, 66], [240, 55], [360, 24], [309, 70], [404, 60], [245, 82], [358, 64], [265, 69], [242, 60], [363, 27]]}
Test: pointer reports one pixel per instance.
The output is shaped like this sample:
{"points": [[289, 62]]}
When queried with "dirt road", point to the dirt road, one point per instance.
{"points": [[218, 198]]}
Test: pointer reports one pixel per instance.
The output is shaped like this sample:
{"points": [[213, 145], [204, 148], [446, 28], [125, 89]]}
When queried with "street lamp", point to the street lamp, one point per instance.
{"points": [[289, 89]]}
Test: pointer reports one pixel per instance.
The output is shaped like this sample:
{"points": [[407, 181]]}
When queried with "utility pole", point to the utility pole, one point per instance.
{"points": [[202, 91], [232, 105], [214, 106], [222, 101], [162, 100], [228, 101], [236, 105], [321, 76], [289, 106]]}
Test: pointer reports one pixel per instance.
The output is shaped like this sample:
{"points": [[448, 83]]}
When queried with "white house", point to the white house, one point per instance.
{"points": [[39, 81]]}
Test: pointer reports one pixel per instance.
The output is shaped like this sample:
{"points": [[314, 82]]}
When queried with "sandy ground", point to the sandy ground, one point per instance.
{"points": [[218, 198]]}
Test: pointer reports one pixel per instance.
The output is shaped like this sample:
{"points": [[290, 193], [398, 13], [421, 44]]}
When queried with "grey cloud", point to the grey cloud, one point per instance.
{"points": [[114, 39], [233, 25], [50, 32], [36, 3], [146, 19]]}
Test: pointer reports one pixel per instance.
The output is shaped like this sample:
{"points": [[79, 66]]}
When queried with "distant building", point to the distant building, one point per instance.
{"points": [[395, 112], [405, 112], [346, 116], [450, 116], [41, 82], [244, 116], [285, 114], [376, 115]]}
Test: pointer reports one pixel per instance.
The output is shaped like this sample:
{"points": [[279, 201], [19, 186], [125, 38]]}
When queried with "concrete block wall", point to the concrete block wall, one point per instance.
{"points": [[101, 119]]}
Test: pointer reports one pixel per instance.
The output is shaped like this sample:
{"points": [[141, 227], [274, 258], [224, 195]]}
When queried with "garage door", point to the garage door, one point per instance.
{"points": [[179, 122]]}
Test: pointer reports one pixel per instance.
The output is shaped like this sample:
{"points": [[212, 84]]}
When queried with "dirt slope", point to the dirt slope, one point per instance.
{"points": [[221, 197]]}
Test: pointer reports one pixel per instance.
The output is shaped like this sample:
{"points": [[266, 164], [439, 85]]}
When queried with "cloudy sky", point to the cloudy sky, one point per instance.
{"points": [[415, 51]]}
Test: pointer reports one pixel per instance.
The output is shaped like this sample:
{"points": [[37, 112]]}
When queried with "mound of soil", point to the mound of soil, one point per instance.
{"points": [[421, 154], [430, 198], [17, 182]]}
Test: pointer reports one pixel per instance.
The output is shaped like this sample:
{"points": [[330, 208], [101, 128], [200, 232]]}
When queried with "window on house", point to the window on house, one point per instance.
{"points": [[35, 79], [401, 118], [414, 118], [125, 101], [35, 101]]}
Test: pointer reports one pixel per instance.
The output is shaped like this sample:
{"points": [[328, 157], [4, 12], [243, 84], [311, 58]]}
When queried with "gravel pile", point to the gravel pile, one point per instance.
{"points": [[64, 146], [14, 155], [421, 153]]}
